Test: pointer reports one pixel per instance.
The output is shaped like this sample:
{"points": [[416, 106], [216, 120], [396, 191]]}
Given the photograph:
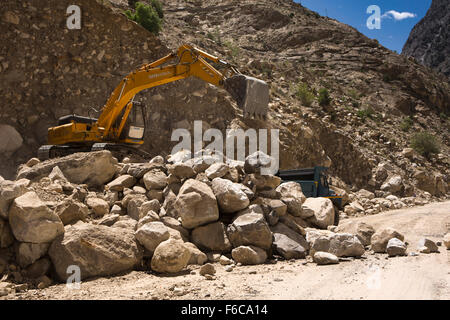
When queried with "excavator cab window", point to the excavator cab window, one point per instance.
{"points": [[137, 122]]}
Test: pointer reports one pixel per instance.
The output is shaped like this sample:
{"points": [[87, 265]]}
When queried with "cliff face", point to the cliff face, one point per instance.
{"points": [[429, 41], [49, 71]]}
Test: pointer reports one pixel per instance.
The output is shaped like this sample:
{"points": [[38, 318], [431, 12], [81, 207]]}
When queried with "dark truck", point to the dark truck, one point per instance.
{"points": [[314, 183]]}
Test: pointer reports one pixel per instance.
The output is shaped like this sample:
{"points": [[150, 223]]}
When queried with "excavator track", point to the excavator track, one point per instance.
{"points": [[119, 151], [55, 151]]}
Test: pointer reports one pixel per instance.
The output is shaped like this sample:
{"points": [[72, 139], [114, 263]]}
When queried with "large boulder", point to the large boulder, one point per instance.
{"points": [[381, 238], [32, 221], [9, 190], [249, 255], [147, 206], [395, 247], [196, 204], [96, 250], [250, 229], [230, 195], [321, 211], [155, 179], [38, 268], [217, 170], [134, 204], [175, 224], [138, 170], [211, 237], [258, 162], [91, 168], [71, 211], [197, 257], [99, 206], [362, 230], [125, 181], [394, 184], [151, 234], [181, 170], [323, 258], [288, 243], [27, 253], [339, 244], [430, 244], [292, 195], [295, 223], [11, 139], [126, 222], [264, 182], [6, 237], [170, 256]]}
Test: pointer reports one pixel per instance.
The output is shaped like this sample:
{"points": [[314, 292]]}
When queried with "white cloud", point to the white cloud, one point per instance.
{"points": [[398, 15]]}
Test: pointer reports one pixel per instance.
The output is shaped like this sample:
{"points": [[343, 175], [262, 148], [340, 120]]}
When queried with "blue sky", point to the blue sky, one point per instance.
{"points": [[398, 17]]}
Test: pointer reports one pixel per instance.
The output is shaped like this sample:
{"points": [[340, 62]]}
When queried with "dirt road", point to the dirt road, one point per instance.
{"points": [[372, 277]]}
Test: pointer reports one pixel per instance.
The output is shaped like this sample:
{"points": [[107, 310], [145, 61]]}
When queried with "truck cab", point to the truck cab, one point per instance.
{"points": [[314, 182]]}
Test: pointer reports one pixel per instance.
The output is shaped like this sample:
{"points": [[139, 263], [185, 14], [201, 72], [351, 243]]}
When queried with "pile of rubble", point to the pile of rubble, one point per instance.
{"points": [[89, 211]]}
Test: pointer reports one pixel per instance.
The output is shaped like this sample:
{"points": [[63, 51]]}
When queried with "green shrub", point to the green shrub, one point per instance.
{"points": [[304, 94], [234, 49], [366, 113], [425, 144], [353, 94], [324, 97], [406, 124], [146, 16], [132, 3], [156, 4]]}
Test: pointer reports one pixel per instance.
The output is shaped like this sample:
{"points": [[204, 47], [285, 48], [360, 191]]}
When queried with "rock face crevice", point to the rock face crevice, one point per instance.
{"points": [[429, 41]]}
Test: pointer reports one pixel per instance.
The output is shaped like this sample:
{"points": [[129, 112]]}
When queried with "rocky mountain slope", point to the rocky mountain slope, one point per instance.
{"points": [[46, 74], [429, 41]]}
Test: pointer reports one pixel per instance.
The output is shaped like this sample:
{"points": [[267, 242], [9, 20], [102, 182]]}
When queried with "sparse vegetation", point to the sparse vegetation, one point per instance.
{"points": [[234, 49], [355, 104], [406, 124], [353, 94], [324, 97], [304, 94], [215, 36], [147, 16], [132, 3], [366, 113], [156, 4], [425, 144]]}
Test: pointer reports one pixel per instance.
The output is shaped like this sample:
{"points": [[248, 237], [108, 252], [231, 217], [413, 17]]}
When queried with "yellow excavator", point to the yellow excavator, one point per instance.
{"points": [[121, 125]]}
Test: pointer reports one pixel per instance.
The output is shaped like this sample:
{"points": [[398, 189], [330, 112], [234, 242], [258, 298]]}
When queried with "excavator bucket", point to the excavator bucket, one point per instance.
{"points": [[251, 94]]}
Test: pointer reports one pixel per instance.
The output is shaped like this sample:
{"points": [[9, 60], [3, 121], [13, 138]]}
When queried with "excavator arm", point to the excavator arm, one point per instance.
{"points": [[251, 95], [189, 61]]}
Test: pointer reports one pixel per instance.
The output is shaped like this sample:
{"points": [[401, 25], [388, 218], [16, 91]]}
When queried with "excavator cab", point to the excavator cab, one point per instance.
{"points": [[135, 127]]}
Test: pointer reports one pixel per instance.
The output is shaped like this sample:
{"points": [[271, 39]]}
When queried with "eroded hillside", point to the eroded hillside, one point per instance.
{"points": [[49, 74]]}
